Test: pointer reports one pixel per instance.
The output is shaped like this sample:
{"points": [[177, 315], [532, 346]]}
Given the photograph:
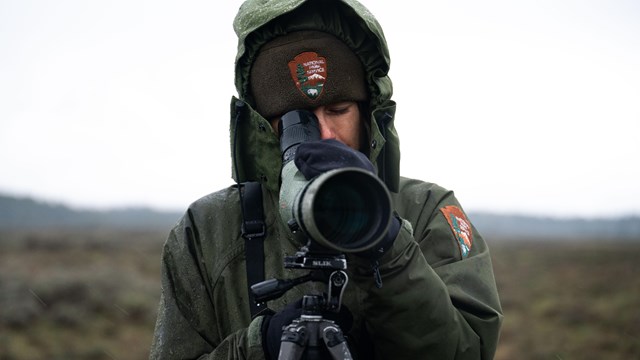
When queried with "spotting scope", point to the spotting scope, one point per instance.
{"points": [[346, 209]]}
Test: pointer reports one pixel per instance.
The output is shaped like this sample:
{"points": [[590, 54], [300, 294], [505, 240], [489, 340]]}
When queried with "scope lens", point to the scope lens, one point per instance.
{"points": [[351, 210]]}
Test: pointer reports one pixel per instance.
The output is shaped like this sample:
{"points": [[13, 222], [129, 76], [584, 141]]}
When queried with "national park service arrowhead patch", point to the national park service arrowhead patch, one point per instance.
{"points": [[461, 228], [309, 72]]}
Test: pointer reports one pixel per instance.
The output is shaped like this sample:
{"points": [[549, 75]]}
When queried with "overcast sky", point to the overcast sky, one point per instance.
{"points": [[518, 106]]}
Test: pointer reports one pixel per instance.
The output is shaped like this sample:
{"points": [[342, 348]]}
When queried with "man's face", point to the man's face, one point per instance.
{"points": [[339, 121]]}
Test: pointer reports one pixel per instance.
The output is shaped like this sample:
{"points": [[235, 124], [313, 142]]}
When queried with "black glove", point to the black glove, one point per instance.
{"points": [[316, 157], [272, 325], [386, 243]]}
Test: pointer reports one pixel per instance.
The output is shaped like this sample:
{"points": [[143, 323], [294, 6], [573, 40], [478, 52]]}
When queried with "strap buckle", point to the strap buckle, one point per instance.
{"points": [[253, 229]]}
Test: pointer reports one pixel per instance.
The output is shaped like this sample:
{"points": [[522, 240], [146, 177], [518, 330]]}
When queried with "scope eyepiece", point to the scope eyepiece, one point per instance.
{"points": [[296, 127]]}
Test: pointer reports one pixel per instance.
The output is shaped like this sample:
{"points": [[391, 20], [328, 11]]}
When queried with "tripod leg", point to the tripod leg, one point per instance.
{"points": [[336, 342], [292, 343]]}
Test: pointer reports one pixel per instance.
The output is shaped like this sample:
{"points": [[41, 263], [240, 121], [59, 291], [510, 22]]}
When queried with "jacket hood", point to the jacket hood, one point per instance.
{"points": [[254, 146]]}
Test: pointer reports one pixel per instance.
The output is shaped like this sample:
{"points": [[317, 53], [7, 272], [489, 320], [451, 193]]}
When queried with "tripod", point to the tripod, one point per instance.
{"points": [[311, 336]]}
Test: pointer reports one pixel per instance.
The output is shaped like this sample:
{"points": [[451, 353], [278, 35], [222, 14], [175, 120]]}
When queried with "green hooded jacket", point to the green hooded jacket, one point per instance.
{"points": [[439, 297]]}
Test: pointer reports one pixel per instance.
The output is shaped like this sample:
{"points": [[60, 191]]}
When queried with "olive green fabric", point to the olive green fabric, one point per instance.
{"points": [[433, 303], [259, 21]]}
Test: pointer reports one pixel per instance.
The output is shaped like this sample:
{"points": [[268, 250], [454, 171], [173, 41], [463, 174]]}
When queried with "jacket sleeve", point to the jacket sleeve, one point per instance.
{"points": [[434, 302], [185, 326]]}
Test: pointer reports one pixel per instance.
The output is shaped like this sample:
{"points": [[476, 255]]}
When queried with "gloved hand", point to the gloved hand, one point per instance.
{"points": [[272, 325], [386, 243], [316, 157]]}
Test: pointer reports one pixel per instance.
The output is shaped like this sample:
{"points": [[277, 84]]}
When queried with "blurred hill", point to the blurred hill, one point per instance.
{"points": [[18, 213], [27, 213], [521, 227]]}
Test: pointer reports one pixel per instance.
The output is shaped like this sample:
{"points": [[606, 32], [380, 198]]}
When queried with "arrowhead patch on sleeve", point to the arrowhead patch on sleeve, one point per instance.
{"points": [[461, 228]]}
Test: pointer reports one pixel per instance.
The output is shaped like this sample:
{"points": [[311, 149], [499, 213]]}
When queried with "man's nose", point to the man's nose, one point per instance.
{"points": [[326, 130]]}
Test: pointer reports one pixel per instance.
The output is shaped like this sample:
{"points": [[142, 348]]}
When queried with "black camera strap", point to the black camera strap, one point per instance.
{"points": [[254, 232]]}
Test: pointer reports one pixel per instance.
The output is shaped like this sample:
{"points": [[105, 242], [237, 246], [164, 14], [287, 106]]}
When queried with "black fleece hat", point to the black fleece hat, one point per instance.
{"points": [[304, 70]]}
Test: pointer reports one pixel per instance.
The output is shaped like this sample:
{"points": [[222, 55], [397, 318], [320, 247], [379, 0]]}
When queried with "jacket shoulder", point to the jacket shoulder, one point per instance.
{"points": [[440, 225], [210, 227], [215, 201], [413, 193]]}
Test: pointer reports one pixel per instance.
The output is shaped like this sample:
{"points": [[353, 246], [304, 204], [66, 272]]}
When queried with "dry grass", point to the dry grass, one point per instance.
{"points": [[93, 295], [569, 300], [78, 295]]}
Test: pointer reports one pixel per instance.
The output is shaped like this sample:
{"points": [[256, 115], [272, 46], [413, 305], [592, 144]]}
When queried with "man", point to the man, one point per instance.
{"points": [[427, 291]]}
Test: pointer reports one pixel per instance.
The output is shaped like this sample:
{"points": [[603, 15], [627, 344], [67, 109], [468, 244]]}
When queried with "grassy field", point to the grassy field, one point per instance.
{"points": [[569, 300], [78, 295], [93, 295]]}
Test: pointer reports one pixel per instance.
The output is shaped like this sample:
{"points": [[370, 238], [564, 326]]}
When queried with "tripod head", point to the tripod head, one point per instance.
{"points": [[326, 268], [311, 336]]}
